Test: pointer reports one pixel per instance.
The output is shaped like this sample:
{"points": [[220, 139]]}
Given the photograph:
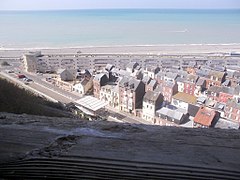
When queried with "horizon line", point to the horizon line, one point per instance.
{"points": [[72, 9]]}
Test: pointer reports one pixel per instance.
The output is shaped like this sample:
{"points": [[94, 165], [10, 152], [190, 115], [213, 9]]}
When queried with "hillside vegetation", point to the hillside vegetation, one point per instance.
{"points": [[17, 100]]}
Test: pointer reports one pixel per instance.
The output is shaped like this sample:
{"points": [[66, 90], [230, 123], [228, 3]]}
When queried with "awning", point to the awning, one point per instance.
{"points": [[90, 103]]}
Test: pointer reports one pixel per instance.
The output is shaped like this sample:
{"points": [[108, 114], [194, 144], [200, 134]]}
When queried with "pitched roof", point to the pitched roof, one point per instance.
{"points": [[233, 103], [120, 72], [132, 65], [59, 71], [146, 79], [182, 73], [129, 82], [236, 74], [160, 73], [99, 76], [152, 68], [159, 88], [151, 96], [223, 89], [175, 114], [179, 79], [185, 97], [202, 72], [226, 82], [112, 87], [169, 84], [84, 82], [171, 75], [192, 78], [200, 82], [205, 116], [109, 67], [217, 74], [226, 124], [237, 90], [153, 82]]}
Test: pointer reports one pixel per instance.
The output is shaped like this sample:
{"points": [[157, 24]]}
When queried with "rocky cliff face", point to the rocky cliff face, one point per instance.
{"points": [[40, 147]]}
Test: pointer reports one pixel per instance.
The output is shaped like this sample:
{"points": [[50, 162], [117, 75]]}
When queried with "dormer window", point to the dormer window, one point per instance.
{"points": [[131, 86]]}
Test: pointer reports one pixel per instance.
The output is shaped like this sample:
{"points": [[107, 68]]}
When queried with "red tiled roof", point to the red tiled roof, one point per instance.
{"points": [[205, 116]]}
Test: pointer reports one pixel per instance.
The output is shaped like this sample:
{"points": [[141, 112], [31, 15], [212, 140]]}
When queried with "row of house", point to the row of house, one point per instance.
{"points": [[203, 93], [174, 96]]}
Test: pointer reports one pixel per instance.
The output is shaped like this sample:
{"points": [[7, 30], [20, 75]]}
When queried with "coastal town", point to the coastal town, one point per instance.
{"points": [[119, 89], [169, 90]]}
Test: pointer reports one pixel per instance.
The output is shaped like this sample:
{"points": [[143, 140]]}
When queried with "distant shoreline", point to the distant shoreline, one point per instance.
{"points": [[138, 49]]}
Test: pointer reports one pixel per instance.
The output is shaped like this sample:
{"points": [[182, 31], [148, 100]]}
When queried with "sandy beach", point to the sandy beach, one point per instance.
{"points": [[181, 49]]}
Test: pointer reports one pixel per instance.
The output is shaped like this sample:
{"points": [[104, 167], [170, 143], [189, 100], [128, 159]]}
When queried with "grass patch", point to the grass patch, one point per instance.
{"points": [[17, 100]]}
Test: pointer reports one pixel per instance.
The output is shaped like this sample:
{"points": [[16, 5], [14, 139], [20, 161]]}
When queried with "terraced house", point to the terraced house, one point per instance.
{"points": [[152, 101], [131, 92]]}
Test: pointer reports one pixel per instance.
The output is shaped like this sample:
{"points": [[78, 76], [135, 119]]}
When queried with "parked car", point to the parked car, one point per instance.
{"points": [[29, 80], [21, 76], [10, 71]]}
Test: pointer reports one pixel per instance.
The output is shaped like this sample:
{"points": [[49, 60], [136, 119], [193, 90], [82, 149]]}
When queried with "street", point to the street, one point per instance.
{"points": [[52, 92]]}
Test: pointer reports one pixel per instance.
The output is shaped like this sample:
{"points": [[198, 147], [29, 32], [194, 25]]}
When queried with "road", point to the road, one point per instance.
{"points": [[49, 90]]}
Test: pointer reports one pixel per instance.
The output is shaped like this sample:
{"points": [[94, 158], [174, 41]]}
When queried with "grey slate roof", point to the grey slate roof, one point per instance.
{"points": [[175, 114], [99, 76], [236, 74], [84, 82], [182, 73], [217, 89], [120, 72], [219, 68], [169, 84], [152, 83], [152, 68], [230, 74], [217, 74], [200, 82], [159, 88], [160, 74], [179, 79], [202, 73], [109, 67], [233, 103], [151, 96], [237, 90], [201, 99], [226, 82], [132, 65], [226, 124], [130, 83], [192, 78], [146, 79], [171, 75], [59, 71]]}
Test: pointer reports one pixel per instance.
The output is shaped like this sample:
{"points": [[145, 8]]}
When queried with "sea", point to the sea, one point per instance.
{"points": [[117, 27]]}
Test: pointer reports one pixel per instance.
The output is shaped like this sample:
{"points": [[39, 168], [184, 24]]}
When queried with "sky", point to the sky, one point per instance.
{"points": [[117, 4]]}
